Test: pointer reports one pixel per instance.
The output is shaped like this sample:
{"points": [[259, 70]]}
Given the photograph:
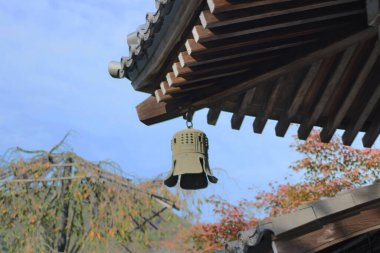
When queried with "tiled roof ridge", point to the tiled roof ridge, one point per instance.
{"points": [[139, 40]]}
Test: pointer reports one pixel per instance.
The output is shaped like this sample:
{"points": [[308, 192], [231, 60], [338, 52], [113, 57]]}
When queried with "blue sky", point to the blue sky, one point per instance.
{"points": [[54, 79]]}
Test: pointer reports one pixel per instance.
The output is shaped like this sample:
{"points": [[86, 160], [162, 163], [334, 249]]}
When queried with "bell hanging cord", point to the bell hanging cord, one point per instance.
{"points": [[189, 119]]}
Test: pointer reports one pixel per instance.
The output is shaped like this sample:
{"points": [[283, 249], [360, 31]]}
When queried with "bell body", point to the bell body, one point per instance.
{"points": [[190, 160]]}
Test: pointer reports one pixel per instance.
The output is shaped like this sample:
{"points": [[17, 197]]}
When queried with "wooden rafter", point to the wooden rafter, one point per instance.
{"points": [[350, 134], [328, 131], [219, 6], [209, 20], [150, 112], [283, 124], [238, 115], [213, 115], [203, 35], [299, 63], [373, 132], [261, 120], [197, 50], [306, 127]]}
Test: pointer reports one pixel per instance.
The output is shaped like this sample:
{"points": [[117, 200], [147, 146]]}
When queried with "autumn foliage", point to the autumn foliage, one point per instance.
{"points": [[60, 202], [325, 170], [234, 218]]}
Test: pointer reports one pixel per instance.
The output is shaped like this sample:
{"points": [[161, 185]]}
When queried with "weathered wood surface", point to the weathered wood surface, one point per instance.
{"points": [[331, 233]]}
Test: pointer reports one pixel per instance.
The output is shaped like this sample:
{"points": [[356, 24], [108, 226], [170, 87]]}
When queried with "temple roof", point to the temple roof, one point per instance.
{"points": [[311, 62], [316, 226]]}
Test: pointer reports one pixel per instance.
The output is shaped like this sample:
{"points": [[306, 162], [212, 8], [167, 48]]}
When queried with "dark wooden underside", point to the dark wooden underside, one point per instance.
{"points": [[310, 62]]}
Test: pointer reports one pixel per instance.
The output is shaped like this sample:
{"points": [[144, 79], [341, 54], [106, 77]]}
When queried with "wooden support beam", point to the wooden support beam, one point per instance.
{"points": [[179, 71], [262, 118], [307, 125], [166, 89], [207, 19], [173, 80], [220, 6], [180, 81], [193, 47], [350, 134], [218, 68], [150, 112], [202, 35], [239, 114], [186, 60], [213, 115], [189, 61], [373, 132], [282, 126], [210, 21], [328, 132], [284, 123], [160, 97], [196, 49]]}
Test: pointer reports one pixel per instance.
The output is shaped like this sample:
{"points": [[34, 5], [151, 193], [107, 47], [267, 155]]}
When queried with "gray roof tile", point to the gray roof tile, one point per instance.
{"points": [[318, 211], [139, 38]]}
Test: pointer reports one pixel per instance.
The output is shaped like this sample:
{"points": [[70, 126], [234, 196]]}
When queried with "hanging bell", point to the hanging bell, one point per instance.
{"points": [[190, 161]]}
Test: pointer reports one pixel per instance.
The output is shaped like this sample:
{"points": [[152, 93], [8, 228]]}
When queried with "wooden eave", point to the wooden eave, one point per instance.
{"points": [[310, 62]]}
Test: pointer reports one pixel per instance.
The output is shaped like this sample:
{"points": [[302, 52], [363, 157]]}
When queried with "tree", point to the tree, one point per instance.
{"points": [[59, 202], [233, 218], [325, 169]]}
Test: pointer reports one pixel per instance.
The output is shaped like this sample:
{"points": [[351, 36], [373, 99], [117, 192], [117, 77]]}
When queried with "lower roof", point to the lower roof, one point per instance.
{"points": [[317, 226]]}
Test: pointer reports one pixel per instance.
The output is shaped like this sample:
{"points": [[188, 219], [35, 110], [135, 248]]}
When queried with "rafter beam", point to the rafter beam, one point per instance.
{"points": [[220, 6], [202, 35], [373, 132], [192, 47], [330, 129], [217, 66], [213, 115], [299, 63], [151, 112], [196, 49], [209, 20], [166, 89], [307, 126], [350, 134], [188, 61], [160, 97], [239, 114], [284, 123], [261, 120]]}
